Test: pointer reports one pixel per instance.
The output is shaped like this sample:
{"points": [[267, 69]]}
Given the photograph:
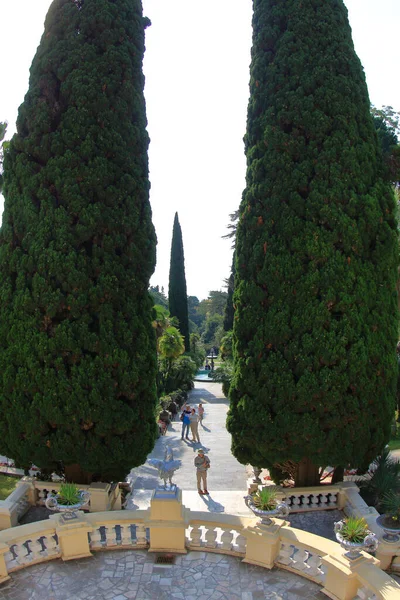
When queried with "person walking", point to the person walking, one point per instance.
{"points": [[202, 464], [201, 413], [194, 426], [185, 421]]}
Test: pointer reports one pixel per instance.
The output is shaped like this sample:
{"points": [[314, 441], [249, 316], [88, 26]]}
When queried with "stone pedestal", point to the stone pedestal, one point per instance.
{"points": [[342, 581], [73, 536], [263, 544], [167, 532]]}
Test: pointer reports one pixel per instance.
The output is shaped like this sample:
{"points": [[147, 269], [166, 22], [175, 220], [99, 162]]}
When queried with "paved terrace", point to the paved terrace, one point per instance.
{"points": [[124, 575]]}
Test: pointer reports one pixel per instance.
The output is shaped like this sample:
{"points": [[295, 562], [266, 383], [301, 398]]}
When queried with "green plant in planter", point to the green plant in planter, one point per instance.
{"points": [[264, 499], [69, 494], [354, 530], [391, 507]]}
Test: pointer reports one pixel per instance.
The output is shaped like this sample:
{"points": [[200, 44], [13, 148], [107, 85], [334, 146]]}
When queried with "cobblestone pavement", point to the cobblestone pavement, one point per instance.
{"points": [[320, 522], [126, 575]]}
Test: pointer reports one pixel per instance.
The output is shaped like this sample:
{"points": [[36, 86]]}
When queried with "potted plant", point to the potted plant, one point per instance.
{"points": [[69, 499], [264, 504], [389, 521], [353, 535]]}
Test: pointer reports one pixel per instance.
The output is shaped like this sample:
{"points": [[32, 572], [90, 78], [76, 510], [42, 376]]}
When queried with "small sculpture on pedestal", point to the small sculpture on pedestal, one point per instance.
{"points": [[166, 468]]}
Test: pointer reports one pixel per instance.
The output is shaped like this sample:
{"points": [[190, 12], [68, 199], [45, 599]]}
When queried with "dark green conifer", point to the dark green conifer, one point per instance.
{"points": [[315, 287], [229, 308], [77, 249], [177, 295]]}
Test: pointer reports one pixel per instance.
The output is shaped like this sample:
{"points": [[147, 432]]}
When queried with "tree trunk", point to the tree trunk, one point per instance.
{"points": [[338, 475], [307, 474], [74, 474]]}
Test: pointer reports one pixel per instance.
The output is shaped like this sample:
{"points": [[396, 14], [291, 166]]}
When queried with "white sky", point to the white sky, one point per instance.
{"points": [[197, 73]]}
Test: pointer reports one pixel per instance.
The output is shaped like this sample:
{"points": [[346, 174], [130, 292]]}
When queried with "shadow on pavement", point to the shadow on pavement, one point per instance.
{"points": [[212, 506], [202, 394]]}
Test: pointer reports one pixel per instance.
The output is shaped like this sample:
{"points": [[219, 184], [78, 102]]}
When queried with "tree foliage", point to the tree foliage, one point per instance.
{"points": [[315, 325], [178, 303], [77, 249], [3, 130]]}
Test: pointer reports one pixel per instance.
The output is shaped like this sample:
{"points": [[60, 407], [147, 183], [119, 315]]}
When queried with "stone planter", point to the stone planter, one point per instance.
{"points": [[353, 549], [390, 527], [280, 512], [67, 510]]}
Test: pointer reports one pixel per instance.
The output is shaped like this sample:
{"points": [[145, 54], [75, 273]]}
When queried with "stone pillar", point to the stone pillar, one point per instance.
{"points": [[342, 581], [73, 536], [99, 499], [263, 543], [167, 517]]}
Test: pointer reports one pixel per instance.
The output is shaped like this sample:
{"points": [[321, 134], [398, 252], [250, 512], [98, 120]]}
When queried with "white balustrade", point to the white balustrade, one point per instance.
{"points": [[141, 535], [305, 562], [303, 501], [216, 539], [52, 549], [240, 544], [96, 539], [111, 535], [211, 538], [226, 540], [195, 537], [126, 535]]}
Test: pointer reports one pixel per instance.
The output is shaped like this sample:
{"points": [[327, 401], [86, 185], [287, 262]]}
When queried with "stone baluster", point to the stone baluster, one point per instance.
{"points": [[51, 545], [21, 553], [296, 502], [314, 500], [36, 548], [324, 499], [226, 539], [300, 560], [195, 536], [285, 554], [111, 536], [141, 535], [333, 499], [95, 538], [126, 535], [211, 538], [11, 558], [314, 564], [241, 544]]}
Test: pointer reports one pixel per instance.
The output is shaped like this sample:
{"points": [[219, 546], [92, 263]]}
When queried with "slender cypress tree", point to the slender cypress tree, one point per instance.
{"points": [[77, 249], [177, 295], [316, 318], [229, 311]]}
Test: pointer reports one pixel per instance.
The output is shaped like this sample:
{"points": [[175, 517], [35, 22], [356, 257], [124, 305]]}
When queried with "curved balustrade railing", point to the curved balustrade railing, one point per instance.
{"points": [[306, 554]]}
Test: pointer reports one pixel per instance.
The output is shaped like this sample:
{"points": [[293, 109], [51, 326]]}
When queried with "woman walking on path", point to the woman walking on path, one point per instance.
{"points": [[201, 413], [185, 421], [194, 426]]}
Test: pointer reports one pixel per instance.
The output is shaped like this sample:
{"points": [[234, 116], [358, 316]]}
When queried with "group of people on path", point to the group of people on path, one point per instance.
{"points": [[191, 419]]}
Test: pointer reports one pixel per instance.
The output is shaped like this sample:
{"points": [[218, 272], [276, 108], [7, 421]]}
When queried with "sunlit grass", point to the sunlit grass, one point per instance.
{"points": [[7, 485]]}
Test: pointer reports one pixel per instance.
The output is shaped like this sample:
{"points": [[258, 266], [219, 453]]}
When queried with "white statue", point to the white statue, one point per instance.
{"points": [[167, 467]]}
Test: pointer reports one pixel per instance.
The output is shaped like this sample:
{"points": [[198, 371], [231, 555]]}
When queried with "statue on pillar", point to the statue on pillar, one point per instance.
{"points": [[166, 468]]}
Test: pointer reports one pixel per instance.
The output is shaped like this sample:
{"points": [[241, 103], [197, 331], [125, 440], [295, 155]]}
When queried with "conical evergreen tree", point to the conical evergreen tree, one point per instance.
{"points": [[77, 249], [316, 319], [229, 311], [177, 295]]}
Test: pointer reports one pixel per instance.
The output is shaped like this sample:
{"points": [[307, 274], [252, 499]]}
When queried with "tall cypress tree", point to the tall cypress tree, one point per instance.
{"points": [[77, 249], [229, 311], [316, 319], [177, 295]]}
